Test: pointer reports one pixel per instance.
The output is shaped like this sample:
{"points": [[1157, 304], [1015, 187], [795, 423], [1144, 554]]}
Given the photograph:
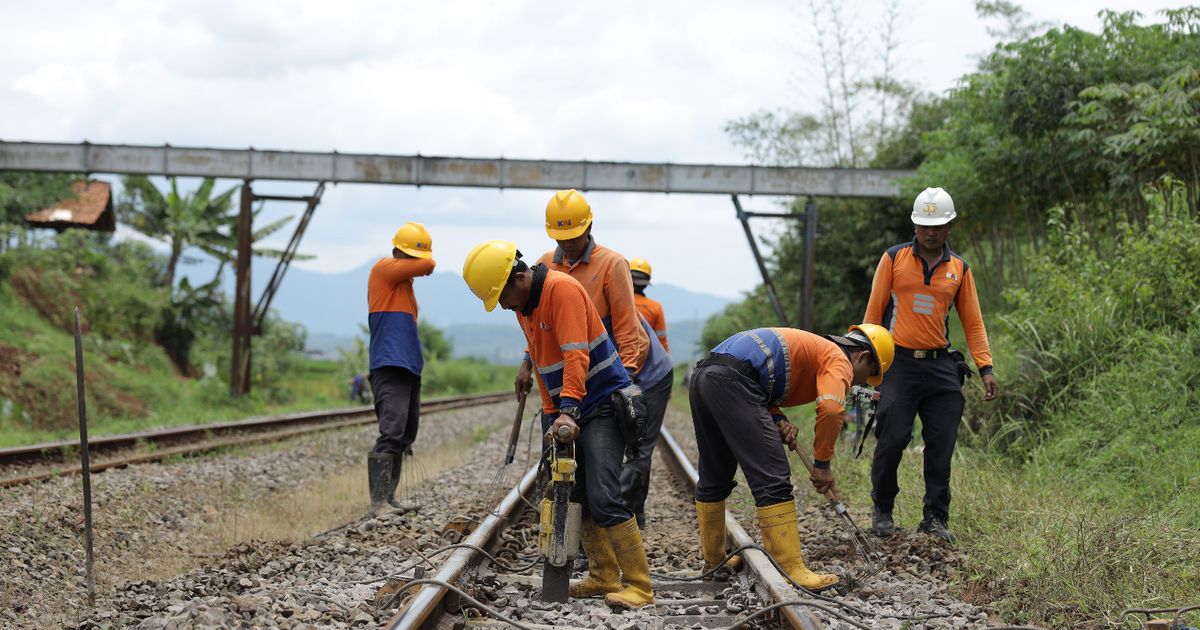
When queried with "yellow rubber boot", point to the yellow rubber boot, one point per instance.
{"points": [[635, 569], [604, 576], [712, 536], [782, 539]]}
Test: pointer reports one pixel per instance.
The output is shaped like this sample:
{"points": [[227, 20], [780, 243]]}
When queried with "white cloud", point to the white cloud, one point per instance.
{"points": [[619, 80]]}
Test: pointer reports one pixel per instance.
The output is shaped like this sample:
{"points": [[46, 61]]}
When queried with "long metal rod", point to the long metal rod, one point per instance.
{"points": [[762, 266], [777, 587], [418, 170], [427, 600], [285, 261], [84, 459]]}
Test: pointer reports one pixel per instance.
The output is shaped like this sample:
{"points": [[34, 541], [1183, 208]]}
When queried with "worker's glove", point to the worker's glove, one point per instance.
{"points": [[629, 406]]}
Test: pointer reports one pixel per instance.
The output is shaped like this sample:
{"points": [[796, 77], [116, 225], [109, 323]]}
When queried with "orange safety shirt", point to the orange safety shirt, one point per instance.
{"points": [[604, 274], [796, 367], [575, 361], [652, 311], [392, 313], [913, 300]]}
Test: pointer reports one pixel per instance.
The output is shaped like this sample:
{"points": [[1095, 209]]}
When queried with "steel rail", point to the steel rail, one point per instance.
{"points": [[426, 602], [214, 436], [777, 587], [425, 605]]}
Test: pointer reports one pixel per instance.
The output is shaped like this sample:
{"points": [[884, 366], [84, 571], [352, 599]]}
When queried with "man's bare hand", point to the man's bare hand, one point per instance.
{"points": [[787, 432], [991, 387], [524, 380], [822, 479], [571, 432]]}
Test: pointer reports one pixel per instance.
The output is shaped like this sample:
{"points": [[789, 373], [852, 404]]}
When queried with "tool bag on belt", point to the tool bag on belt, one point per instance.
{"points": [[629, 405]]}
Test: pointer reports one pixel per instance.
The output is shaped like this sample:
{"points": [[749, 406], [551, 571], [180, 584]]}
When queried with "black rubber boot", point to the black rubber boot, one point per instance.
{"points": [[935, 526], [397, 465], [379, 479], [881, 523]]}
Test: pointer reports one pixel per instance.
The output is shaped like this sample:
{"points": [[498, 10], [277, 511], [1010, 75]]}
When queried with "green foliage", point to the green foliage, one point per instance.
{"points": [[104, 281], [465, 376], [23, 193], [1069, 119], [183, 221], [1086, 313], [434, 344]]}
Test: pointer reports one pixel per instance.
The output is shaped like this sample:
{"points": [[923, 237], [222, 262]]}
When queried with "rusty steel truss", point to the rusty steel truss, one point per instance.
{"points": [[253, 164]]}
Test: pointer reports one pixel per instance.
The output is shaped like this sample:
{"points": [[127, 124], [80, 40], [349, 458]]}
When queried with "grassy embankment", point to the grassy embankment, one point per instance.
{"points": [[132, 384]]}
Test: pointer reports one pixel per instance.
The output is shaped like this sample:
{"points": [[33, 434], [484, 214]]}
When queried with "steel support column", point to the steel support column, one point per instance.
{"points": [[744, 217], [264, 301], [239, 374], [810, 264]]}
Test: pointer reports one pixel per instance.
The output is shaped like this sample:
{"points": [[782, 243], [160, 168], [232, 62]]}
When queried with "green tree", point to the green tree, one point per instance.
{"points": [[23, 193], [182, 221], [434, 344]]}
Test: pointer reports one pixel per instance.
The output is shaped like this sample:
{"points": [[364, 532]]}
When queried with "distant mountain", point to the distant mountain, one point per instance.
{"points": [[333, 306]]}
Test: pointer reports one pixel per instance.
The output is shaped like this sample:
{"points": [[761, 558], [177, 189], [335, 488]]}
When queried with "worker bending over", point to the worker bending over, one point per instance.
{"points": [[605, 276], [578, 375], [915, 285], [651, 310], [396, 359], [736, 394]]}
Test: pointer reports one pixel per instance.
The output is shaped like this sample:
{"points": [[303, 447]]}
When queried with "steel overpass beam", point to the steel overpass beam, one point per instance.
{"points": [[417, 170]]}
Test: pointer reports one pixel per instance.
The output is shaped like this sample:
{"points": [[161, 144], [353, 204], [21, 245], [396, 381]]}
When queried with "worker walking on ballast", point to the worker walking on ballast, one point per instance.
{"points": [[580, 380], [915, 285], [736, 394], [396, 359]]}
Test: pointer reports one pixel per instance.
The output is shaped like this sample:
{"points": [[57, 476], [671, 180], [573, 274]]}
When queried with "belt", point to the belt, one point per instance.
{"points": [[741, 366], [939, 353]]}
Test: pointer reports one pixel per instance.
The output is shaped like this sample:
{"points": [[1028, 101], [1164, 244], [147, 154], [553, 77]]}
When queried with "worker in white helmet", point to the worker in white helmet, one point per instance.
{"points": [[915, 286]]}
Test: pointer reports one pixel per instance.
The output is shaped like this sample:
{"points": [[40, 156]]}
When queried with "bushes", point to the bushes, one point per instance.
{"points": [[1089, 309]]}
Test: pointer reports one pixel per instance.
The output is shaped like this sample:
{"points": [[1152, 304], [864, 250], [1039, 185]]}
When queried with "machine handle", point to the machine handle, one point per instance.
{"points": [[516, 428]]}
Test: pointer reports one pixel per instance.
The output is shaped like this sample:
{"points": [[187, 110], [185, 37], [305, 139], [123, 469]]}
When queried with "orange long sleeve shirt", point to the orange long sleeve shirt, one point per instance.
{"points": [[575, 362], [913, 301], [652, 310], [604, 274], [796, 367]]}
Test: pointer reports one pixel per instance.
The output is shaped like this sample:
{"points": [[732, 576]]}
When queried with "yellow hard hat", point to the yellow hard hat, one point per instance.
{"points": [[640, 264], [487, 268], [413, 239], [882, 346], [567, 215]]}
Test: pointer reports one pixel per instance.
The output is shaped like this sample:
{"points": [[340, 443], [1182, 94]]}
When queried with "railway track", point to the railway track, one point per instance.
{"points": [[27, 464], [503, 596], [396, 569]]}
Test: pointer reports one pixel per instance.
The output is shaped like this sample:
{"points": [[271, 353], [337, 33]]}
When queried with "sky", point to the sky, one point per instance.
{"points": [[612, 81]]}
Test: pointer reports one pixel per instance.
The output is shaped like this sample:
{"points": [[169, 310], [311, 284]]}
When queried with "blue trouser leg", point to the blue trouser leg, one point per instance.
{"points": [[733, 428], [635, 475], [598, 453]]}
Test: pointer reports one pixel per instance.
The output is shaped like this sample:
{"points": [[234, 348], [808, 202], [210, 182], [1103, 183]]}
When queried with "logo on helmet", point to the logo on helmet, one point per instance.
{"points": [[930, 209], [564, 222]]}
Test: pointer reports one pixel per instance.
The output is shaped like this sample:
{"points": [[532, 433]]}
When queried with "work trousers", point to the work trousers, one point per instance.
{"points": [[933, 389], [635, 474], [734, 428], [398, 406], [598, 453]]}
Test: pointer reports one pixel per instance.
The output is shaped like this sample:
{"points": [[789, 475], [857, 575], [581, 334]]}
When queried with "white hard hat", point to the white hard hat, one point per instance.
{"points": [[933, 207]]}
